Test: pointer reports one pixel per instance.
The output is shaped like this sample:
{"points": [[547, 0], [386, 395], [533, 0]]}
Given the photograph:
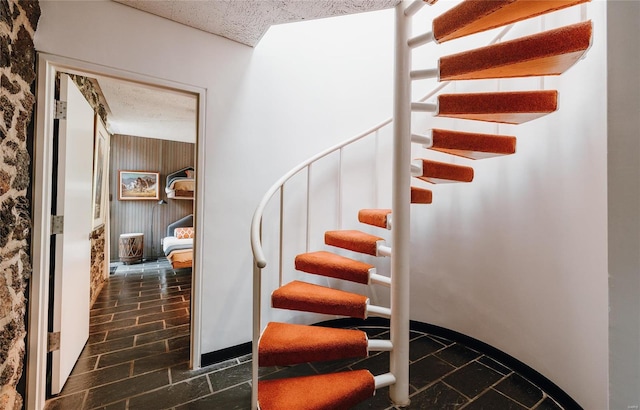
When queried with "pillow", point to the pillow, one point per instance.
{"points": [[184, 233]]}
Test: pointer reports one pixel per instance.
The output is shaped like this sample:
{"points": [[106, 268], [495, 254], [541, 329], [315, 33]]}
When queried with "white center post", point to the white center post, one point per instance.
{"points": [[401, 191]]}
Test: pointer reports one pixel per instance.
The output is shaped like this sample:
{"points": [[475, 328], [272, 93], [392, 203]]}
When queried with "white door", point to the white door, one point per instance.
{"points": [[73, 247]]}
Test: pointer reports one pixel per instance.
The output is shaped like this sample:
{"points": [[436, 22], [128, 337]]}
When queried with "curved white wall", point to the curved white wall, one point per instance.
{"points": [[516, 259], [623, 59]]}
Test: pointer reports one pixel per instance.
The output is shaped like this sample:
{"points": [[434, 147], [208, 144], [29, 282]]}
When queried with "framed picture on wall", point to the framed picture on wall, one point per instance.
{"points": [[100, 169], [138, 185]]}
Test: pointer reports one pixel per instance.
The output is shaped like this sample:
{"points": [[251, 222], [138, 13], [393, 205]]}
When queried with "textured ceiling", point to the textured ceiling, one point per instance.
{"points": [[246, 21], [151, 112]]}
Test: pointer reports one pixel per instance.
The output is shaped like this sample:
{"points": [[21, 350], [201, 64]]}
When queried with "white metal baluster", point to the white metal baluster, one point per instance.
{"points": [[340, 210], [280, 245], [308, 240], [257, 303], [420, 40], [414, 7], [399, 392], [376, 172]]}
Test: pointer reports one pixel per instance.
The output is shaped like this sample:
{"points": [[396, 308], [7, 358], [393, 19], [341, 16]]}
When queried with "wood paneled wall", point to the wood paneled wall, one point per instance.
{"points": [[153, 155]]}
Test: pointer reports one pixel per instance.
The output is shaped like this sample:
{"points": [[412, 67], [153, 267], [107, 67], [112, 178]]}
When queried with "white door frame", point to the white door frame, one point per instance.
{"points": [[48, 66]]}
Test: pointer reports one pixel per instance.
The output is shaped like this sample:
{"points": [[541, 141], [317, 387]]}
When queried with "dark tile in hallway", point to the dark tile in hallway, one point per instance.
{"points": [[139, 330], [137, 358]]}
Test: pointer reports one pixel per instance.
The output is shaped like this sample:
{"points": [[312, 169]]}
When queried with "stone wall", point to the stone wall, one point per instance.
{"points": [[18, 21], [92, 92], [98, 242]]}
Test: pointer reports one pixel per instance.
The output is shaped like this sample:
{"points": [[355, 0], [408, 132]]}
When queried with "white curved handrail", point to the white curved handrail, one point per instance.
{"points": [[256, 241], [256, 244]]}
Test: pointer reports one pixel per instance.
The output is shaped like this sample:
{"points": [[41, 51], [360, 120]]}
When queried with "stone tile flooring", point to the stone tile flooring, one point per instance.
{"points": [[138, 351]]}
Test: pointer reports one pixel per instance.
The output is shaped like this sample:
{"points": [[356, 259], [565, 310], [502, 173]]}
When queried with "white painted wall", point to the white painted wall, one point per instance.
{"points": [[516, 259], [304, 88], [624, 202]]}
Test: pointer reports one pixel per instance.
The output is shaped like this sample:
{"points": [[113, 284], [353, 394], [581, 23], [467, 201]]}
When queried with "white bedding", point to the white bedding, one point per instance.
{"points": [[171, 243]]}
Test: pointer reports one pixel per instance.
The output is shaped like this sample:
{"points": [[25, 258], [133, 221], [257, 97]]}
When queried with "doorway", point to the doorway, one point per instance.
{"points": [[48, 68]]}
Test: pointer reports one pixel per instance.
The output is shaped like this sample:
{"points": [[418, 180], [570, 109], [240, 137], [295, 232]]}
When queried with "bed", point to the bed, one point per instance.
{"points": [[181, 184], [178, 244]]}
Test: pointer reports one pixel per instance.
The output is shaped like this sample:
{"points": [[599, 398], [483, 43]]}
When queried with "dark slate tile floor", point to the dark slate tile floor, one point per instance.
{"points": [[138, 352]]}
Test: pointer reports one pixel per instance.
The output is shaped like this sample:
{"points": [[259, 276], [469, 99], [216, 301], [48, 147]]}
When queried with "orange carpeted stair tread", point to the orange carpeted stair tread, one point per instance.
{"points": [[375, 217], [513, 107], [472, 145], [283, 344], [436, 172], [353, 240], [307, 297], [421, 196], [333, 266], [548, 53], [334, 391], [471, 17]]}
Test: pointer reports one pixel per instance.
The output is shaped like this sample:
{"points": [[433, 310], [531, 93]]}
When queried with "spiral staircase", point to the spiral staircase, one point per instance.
{"points": [[547, 53]]}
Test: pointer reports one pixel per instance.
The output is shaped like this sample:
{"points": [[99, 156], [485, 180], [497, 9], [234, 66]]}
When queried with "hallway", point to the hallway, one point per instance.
{"points": [[138, 335], [137, 357]]}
